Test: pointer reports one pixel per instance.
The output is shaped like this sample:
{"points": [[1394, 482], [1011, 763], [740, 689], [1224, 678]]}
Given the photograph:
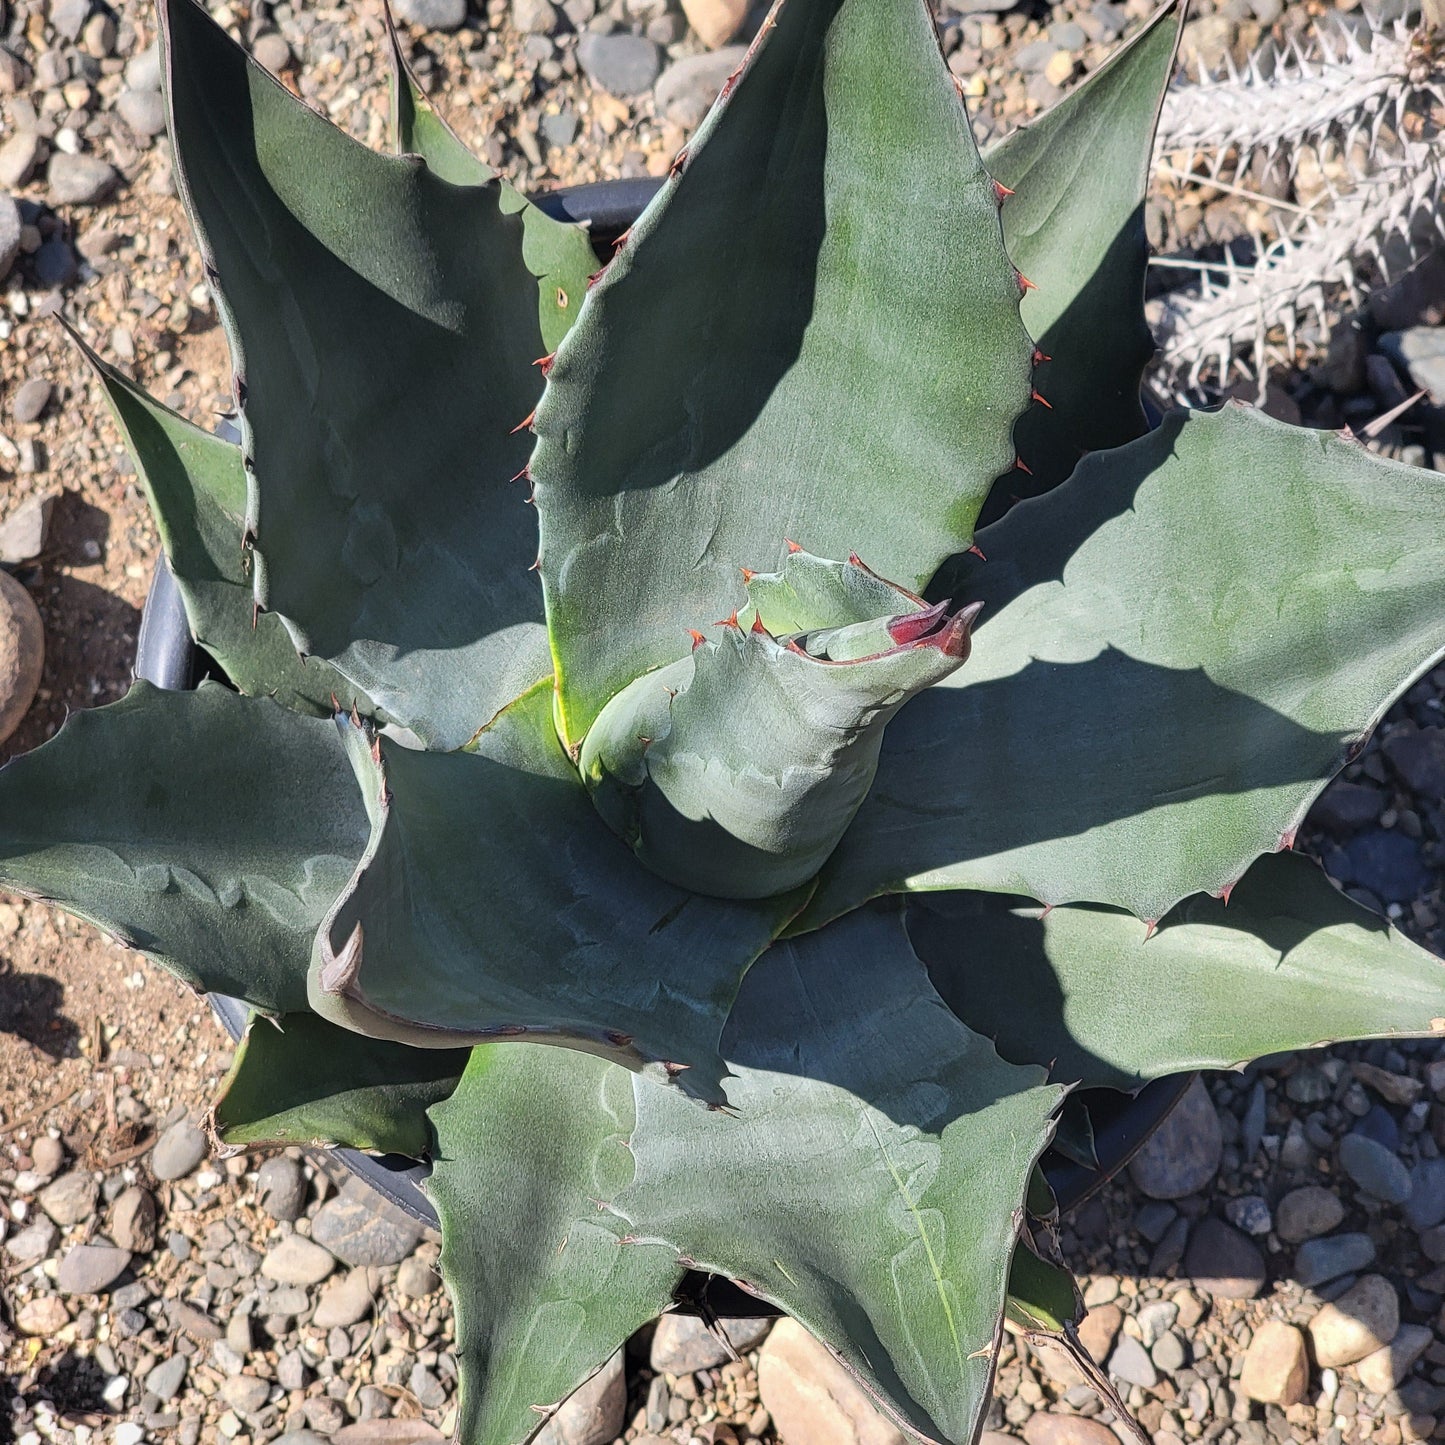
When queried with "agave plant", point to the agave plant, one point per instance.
{"points": [[731, 861]]}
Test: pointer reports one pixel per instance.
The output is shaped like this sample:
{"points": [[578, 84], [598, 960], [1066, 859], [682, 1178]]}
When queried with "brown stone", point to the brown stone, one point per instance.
{"points": [[813, 1400], [22, 653], [1276, 1365], [1364, 1319], [715, 21], [133, 1220], [1099, 1329], [1048, 1429]]}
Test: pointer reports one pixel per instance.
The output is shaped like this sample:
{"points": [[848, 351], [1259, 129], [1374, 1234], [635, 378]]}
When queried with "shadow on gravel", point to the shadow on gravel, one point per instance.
{"points": [[30, 1006]]}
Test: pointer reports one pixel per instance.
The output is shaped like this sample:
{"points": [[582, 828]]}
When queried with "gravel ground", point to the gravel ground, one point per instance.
{"points": [[148, 1291]]}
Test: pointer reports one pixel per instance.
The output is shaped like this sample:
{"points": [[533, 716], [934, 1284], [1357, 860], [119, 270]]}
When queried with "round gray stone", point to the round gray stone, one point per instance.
{"points": [[144, 111], [1425, 1207], [1319, 1260], [1222, 1262], [297, 1261], [1307, 1213], [1130, 1362], [683, 1344], [79, 180], [281, 1188], [432, 14], [179, 1150], [1183, 1153], [272, 51], [164, 1382], [143, 69], [90, 1269], [1377, 1170], [621, 64], [360, 1228], [71, 1198], [687, 88]]}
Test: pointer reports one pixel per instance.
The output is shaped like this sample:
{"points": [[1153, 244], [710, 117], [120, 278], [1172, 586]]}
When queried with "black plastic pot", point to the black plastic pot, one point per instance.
{"points": [[167, 656]]}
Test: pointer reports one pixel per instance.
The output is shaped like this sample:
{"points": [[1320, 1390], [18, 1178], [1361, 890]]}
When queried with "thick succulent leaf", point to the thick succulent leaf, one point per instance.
{"points": [[301, 1080], [382, 325], [492, 902], [558, 253], [808, 592], [734, 771], [196, 485], [1075, 227], [845, 370], [1179, 646], [1042, 1297], [210, 830], [1290, 963], [531, 1144], [872, 1177]]}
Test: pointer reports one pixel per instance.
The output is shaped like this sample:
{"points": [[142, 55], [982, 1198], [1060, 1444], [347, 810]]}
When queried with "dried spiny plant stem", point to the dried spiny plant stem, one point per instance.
{"points": [[1355, 124], [1336, 84]]}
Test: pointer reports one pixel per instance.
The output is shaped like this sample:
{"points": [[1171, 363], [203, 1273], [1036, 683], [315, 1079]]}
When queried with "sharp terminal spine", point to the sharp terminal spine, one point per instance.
{"points": [[731, 621], [697, 638], [1001, 192], [525, 423], [1036, 395]]}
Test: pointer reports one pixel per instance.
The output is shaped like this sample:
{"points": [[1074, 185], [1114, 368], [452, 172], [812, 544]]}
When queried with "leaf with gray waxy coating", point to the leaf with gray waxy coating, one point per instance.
{"points": [[734, 772], [493, 902], [1075, 227], [301, 1080], [1290, 963], [529, 1146], [1179, 646], [558, 253], [210, 830], [383, 327], [846, 371], [878, 1209], [196, 485]]}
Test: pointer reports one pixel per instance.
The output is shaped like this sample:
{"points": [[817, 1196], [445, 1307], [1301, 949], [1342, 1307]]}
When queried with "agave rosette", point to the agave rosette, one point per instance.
{"points": [[692, 892]]}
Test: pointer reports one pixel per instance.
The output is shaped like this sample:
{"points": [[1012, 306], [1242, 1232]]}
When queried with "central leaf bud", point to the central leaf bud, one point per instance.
{"points": [[735, 770]]}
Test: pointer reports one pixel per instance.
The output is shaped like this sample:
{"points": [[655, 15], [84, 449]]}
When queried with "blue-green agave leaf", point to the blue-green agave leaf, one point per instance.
{"points": [[1290, 963], [812, 333], [1178, 648], [209, 830], [493, 902], [383, 327]]}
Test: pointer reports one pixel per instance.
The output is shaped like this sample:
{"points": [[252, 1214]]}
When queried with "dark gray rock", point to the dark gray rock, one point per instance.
{"points": [[444, 15], [281, 1188], [179, 1150], [1250, 1213], [1325, 1259], [90, 1269], [55, 264], [1418, 756], [1222, 1262], [1183, 1154], [1388, 863], [1374, 1168], [1307, 1213], [1346, 807], [559, 129], [360, 1228], [79, 180], [687, 88], [1425, 1207], [621, 64]]}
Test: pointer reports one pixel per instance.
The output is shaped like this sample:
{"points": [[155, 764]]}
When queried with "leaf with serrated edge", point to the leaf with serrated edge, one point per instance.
{"points": [[871, 1179], [558, 253], [493, 902], [838, 375], [368, 300], [209, 830], [1075, 227], [529, 1149], [1178, 648], [301, 1080], [1290, 963], [196, 485]]}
